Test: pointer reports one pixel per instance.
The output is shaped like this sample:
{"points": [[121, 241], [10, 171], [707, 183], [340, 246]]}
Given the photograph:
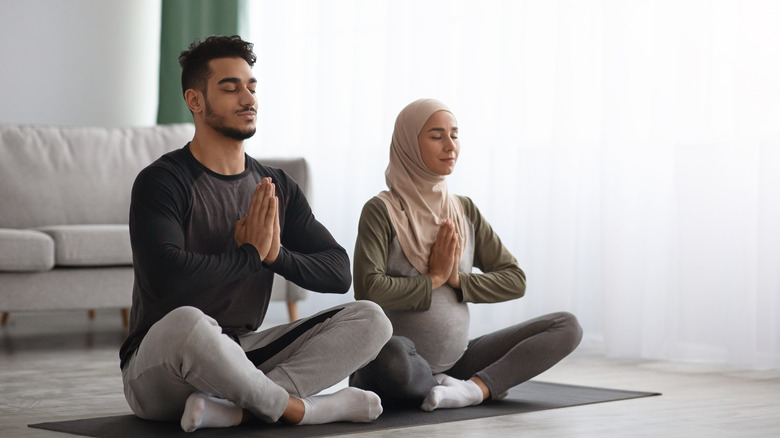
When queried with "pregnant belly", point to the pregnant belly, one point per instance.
{"points": [[440, 334]]}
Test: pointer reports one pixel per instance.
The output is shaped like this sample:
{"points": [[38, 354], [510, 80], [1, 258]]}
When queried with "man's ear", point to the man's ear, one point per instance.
{"points": [[194, 100]]}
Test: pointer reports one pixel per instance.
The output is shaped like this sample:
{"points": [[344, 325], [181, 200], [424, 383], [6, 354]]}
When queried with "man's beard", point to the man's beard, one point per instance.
{"points": [[217, 123]]}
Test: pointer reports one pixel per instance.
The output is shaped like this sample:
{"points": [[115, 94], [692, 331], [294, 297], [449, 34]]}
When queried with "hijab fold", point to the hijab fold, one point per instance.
{"points": [[418, 200]]}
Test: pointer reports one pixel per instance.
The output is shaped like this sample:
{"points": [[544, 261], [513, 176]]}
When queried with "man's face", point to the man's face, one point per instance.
{"points": [[231, 107]]}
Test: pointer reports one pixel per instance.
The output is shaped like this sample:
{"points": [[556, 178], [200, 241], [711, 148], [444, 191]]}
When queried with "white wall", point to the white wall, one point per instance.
{"points": [[79, 62], [627, 152]]}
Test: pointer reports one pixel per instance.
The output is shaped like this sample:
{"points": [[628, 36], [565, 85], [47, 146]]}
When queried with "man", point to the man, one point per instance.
{"points": [[209, 227]]}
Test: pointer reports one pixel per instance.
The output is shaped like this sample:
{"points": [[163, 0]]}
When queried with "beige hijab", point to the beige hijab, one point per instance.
{"points": [[417, 200]]}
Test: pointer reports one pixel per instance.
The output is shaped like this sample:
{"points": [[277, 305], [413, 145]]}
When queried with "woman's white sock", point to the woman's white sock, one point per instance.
{"points": [[204, 411], [452, 393], [348, 404]]}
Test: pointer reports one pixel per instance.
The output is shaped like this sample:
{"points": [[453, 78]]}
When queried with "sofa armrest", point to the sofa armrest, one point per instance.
{"points": [[25, 250]]}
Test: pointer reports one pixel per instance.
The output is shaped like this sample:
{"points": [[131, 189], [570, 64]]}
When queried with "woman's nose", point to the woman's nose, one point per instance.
{"points": [[449, 144]]}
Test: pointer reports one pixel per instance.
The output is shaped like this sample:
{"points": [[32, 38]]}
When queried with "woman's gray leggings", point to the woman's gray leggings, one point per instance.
{"points": [[501, 359]]}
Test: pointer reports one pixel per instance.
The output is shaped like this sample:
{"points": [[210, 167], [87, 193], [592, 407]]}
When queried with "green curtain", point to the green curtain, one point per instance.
{"points": [[183, 21]]}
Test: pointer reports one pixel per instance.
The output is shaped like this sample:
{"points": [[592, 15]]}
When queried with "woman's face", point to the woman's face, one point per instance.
{"points": [[439, 144]]}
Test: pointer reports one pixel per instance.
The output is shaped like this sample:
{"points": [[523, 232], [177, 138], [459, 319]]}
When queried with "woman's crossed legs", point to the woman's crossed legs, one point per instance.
{"points": [[496, 362]]}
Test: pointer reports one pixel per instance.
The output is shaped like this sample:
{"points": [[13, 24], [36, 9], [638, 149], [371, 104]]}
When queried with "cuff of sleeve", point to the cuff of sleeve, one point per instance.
{"points": [[426, 304], [254, 256], [462, 292]]}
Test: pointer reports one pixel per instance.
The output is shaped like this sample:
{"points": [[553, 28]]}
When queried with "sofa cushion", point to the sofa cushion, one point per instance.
{"points": [[90, 245], [25, 250], [53, 175]]}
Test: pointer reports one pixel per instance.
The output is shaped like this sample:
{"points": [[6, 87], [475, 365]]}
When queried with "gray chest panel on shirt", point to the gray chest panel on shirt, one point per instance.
{"points": [[216, 206]]}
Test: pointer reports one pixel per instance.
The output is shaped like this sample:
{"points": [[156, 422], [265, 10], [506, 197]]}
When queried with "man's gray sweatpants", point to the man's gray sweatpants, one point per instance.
{"points": [[186, 352]]}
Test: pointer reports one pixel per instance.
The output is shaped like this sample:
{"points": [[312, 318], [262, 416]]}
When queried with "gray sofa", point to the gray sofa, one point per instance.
{"points": [[64, 202]]}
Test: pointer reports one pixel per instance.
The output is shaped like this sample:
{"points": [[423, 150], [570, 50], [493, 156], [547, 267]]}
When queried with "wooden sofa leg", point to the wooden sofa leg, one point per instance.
{"points": [[125, 317], [4, 318], [292, 310], [91, 314]]}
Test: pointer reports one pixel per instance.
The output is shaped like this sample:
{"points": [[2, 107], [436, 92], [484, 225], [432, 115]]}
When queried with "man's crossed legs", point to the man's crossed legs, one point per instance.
{"points": [[186, 369]]}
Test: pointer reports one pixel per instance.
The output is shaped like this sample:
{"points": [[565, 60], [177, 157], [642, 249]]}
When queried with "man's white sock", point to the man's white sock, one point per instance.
{"points": [[203, 411], [452, 393], [348, 404]]}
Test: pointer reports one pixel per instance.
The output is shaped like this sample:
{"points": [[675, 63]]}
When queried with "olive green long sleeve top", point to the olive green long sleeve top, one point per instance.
{"points": [[405, 288]]}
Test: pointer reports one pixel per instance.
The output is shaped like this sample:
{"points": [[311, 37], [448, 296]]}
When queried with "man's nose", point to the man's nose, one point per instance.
{"points": [[247, 98]]}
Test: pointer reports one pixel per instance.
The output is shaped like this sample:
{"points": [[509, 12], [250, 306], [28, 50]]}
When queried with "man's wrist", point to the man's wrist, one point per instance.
{"points": [[270, 259]]}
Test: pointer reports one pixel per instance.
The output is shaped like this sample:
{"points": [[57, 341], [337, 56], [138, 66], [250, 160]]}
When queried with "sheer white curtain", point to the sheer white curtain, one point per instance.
{"points": [[627, 152]]}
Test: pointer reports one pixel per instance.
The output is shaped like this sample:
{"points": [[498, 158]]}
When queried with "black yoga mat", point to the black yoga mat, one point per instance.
{"points": [[528, 397]]}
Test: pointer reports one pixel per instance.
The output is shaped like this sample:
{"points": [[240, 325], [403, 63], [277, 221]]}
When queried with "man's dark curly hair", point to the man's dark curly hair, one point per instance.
{"points": [[194, 61]]}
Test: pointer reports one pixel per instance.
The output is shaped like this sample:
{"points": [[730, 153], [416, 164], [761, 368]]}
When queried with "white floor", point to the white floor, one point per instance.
{"points": [[60, 366]]}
